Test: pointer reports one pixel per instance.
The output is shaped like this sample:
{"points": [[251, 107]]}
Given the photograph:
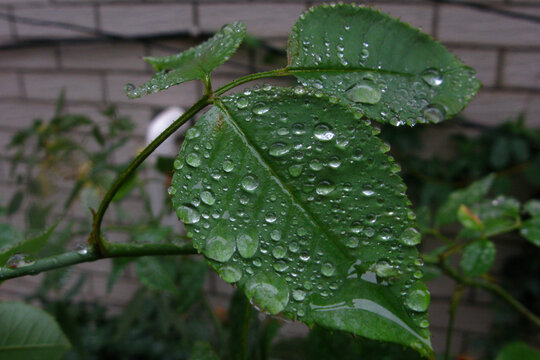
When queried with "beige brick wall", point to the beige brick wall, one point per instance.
{"points": [[505, 51]]}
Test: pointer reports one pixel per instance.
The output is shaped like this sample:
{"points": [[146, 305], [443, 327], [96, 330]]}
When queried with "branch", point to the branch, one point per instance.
{"points": [[492, 288], [88, 255]]}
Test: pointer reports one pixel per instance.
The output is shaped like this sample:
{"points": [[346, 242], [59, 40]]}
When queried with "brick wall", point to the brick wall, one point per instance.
{"points": [[504, 50]]}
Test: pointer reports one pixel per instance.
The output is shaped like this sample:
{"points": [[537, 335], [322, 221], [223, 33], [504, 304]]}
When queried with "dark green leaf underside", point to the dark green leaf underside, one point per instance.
{"points": [[192, 64], [392, 72], [27, 333], [294, 199]]}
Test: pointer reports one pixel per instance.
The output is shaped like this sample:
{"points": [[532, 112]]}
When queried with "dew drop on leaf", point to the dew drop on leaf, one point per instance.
{"points": [[188, 214], [208, 197], [219, 248], [20, 260], [327, 269], [299, 294], [410, 236], [278, 149], [260, 109], [246, 245], [364, 92], [269, 291], [279, 252], [323, 132], [193, 160], [295, 170], [417, 298], [432, 77], [325, 187], [250, 183], [230, 274], [434, 113]]}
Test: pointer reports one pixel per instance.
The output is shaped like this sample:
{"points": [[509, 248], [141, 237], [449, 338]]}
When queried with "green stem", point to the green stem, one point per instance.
{"points": [[490, 287], [95, 237], [245, 331], [251, 77], [454, 303], [87, 255]]}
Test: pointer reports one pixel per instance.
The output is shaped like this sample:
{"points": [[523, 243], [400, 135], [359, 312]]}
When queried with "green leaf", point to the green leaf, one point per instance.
{"points": [[15, 203], [293, 199], [392, 72], [530, 229], [30, 246], [469, 219], [27, 333], [532, 207], [202, 351], [498, 215], [192, 64], [447, 213], [157, 273], [518, 350], [478, 257], [500, 153]]}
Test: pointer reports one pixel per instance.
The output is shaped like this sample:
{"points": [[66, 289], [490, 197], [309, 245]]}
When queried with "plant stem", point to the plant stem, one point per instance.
{"points": [[245, 331], [251, 77], [454, 303], [492, 288], [95, 237], [91, 254]]}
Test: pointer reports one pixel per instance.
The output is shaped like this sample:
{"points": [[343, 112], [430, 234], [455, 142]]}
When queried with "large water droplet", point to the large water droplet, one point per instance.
{"points": [[299, 294], [295, 170], [279, 252], [432, 77], [177, 164], [417, 298], [20, 260], [208, 198], [278, 149], [219, 248], [82, 249], [364, 92], [434, 113], [280, 266], [384, 269], [410, 236], [269, 291], [250, 183], [192, 133], [227, 166], [188, 214], [323, 132], [242, 103], [327, 269], [230, 274], [275, 235], [193, 159], [247, 245], [325, 187], [260, 109]]}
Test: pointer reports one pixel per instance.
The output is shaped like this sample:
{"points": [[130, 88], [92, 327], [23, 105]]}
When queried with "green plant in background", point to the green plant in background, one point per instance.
{"points": [[290, 195]]}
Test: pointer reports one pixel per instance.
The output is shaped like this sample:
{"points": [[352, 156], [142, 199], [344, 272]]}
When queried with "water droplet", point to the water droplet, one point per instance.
{"points": [[410, 236], [327, 269], [299, 294], [260, 109], [434, 113], [275, 235], [219, 248], [82, 249], [129, 87], [270, 217], [417, 298], [250, 183], [323, 132], [269, 291], [187, 214], [295, 170], [193, 159], [352, 242], [171, 190], [247, 245], [230, 274], [192, 133], [432, 77], [364, 92], [294, 247], [242, 103], [384, 269], [19, 260], [424, 323], [279, 252], [334, 162], [178, 164], [227, 166], [325, 187], [278, 149], [207, 197], [280, 266], [356, 227]]}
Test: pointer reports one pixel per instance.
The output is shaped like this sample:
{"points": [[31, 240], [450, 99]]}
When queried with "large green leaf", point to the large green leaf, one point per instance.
{"points": [[202, 351], [478, 257], [392, 72], [192, 64], [518, 350], [530, 229], [27, 333], [293, 199], [26, 247]]}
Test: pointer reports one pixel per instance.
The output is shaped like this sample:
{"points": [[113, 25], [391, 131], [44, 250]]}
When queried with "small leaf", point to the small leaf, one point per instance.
{"points": [[478, 257], [294, 199], [447, 213], [530, 229], [98, 136], [27, 333], [30, 246], [390, 71], [126, 188], [202, 351], [157, 273], [469, 219], [192, 64], [9, 236], [532, 207], [498, 215], [518, 350], [500, 153]]}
